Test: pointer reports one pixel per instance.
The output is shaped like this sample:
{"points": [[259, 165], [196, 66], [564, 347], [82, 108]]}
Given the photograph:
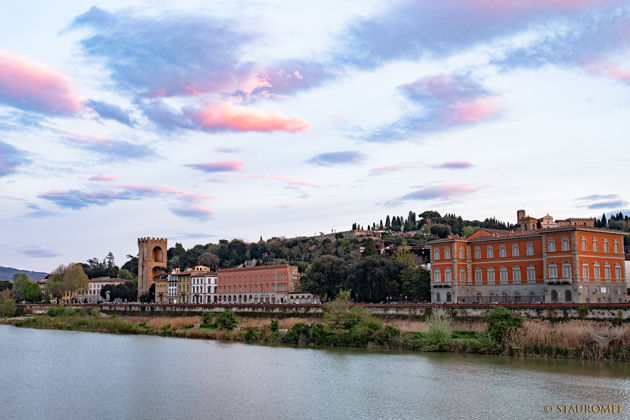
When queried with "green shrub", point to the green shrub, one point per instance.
{"points": [[251, 334], [439, 335], [207, 317], [60, 311], [95, 311], [296, 332], [501, 321], [582, 311], [387, 335], [226, 320], [275, 325]]}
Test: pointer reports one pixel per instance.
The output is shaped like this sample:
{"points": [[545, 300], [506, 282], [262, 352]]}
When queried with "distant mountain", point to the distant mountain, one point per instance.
{"points": [[6, 273]]}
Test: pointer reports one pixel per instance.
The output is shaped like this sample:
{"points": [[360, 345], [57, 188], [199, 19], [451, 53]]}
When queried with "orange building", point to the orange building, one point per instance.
{"points": [[570, 263], [261, 284]]}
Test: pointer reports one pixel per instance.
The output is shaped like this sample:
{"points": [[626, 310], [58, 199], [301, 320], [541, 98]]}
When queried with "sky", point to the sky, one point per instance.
{"points": [[203, 120]]}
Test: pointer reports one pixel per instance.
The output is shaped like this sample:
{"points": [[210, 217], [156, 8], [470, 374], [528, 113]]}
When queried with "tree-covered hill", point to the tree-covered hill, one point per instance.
{"points": [[6, 273]]}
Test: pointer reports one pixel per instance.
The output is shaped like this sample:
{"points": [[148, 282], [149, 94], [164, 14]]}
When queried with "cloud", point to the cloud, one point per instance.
{"points": [[185, 204], [31, 86], [37, 252], [38, 212], [418, 164], [445, 192], [441, 103], [10, 159], [179, 54], [337, 158], [454, 165], [286, 205], [283, 179], [119, 149], [413, 29], [111, 112], [227, 149], [601, 201], [103, 178], [224, 116], [225, 166]]}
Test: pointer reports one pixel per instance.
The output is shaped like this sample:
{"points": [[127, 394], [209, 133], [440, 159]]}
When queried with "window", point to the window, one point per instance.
{"points": [[583, 243], [565, 244], [553, 271], [504, 275], [566, 270], [516, 274], [530, 249], [502, 252], [607, 271], [490, 275], [477, 252], [515, 250], [605, 245], [436, 254], [531, 273], [478, 276], [594, 244], [585, 270], [617, 271], [597, 272], [616, 247], [447, 275], [462, 276], [447, 253], [551, 245], [489, 252], [437, 275], [462, 253]]}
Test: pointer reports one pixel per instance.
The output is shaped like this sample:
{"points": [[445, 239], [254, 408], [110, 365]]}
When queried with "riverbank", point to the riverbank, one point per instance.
{"points": [[352, 327]]}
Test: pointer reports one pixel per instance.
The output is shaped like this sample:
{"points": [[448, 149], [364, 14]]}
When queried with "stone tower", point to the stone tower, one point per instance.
{"points": [[520, 215], [151, 258]]}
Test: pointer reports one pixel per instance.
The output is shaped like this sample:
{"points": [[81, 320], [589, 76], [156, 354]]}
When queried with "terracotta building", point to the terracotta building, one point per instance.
{"points": [[261, 284], [151, 262], [566, 263]]}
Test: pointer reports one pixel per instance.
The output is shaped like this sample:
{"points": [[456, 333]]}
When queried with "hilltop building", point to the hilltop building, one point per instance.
{"points": [[562, 261]]}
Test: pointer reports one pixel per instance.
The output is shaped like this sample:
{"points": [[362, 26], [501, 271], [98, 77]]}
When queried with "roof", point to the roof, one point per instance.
{"points": [[107, 280], [258, 267]]}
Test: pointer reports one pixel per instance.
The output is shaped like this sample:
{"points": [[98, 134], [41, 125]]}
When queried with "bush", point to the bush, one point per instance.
{"points": [[275, 325], [387, 335], [60, 311], [226, 320], [582, 311], [439, 335], [7, 304], [95, 311], [207, 317], [251, 335], [297, 332], [501, 321]]}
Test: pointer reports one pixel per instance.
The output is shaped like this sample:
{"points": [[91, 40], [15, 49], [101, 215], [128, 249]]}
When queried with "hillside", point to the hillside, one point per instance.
{"points": [[6, 273]]}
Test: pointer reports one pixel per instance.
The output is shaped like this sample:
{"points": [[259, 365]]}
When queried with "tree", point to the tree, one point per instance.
{"points": [[370, 248], [440, 230], [127, 291], [5, 284], [149, 296], [387, 222], [7, 304], [468, 230], [125, 274], [325, 276], [131, 265], [226, 320], [500, 322], [32, 292], [54, 287], [209, 260], [74, 279], [20, 280]]}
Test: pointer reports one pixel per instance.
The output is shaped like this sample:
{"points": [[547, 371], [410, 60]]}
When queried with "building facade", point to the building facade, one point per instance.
{"points": [[261, 284], [151, 262], [571, 263], [93, 292], [204, 284]]}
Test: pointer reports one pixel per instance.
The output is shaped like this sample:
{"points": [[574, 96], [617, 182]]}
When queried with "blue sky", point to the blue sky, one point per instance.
{"points": [[204, 120]]}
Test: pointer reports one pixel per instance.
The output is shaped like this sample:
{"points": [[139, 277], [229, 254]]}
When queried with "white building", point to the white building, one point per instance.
{"points": [[93, 293], [203, 285]]}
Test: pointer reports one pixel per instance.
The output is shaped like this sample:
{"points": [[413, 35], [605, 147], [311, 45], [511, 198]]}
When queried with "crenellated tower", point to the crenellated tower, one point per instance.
{"points": [[151, 261]]}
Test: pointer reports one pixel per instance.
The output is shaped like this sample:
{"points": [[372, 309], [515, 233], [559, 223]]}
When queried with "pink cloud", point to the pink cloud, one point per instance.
{"points": [[286, 180], [86, 136], [398, 167], [618, 73], [226, 116], [36, 87], [104, 178], [225, 166], [286, 205], [475, 111], [515, 8]]}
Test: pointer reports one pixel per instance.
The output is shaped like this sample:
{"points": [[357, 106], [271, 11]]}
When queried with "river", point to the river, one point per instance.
{"points": [[47, 374]]}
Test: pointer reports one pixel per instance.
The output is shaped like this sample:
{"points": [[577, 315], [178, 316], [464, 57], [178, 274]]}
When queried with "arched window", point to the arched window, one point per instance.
{"points": [[566, 270], [605, 245], [438, 298], [477, 252], [553, 270], [491, 275], [502, 252], [436, 254], [583, 243], [448, 297], [489, 252], [462, 276], [530, 249], [504, 275], [157, 254], [478, 276], [448, 277], [447, 253], [551, 245], [607, 271], [531, 273], [617, 271], [516, 274], [437, 274], [568, 297], [462, 253], [585, 270], [515, 250], [565, 244], [597, 271], [554, 296], [594, 244], [616, 247]]}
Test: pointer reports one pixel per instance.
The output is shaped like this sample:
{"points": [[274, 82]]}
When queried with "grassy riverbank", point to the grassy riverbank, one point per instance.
{"points": [[342, 325]]}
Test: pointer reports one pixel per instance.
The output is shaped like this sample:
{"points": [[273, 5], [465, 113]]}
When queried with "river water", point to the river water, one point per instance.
{"points": [[46, 374]]}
